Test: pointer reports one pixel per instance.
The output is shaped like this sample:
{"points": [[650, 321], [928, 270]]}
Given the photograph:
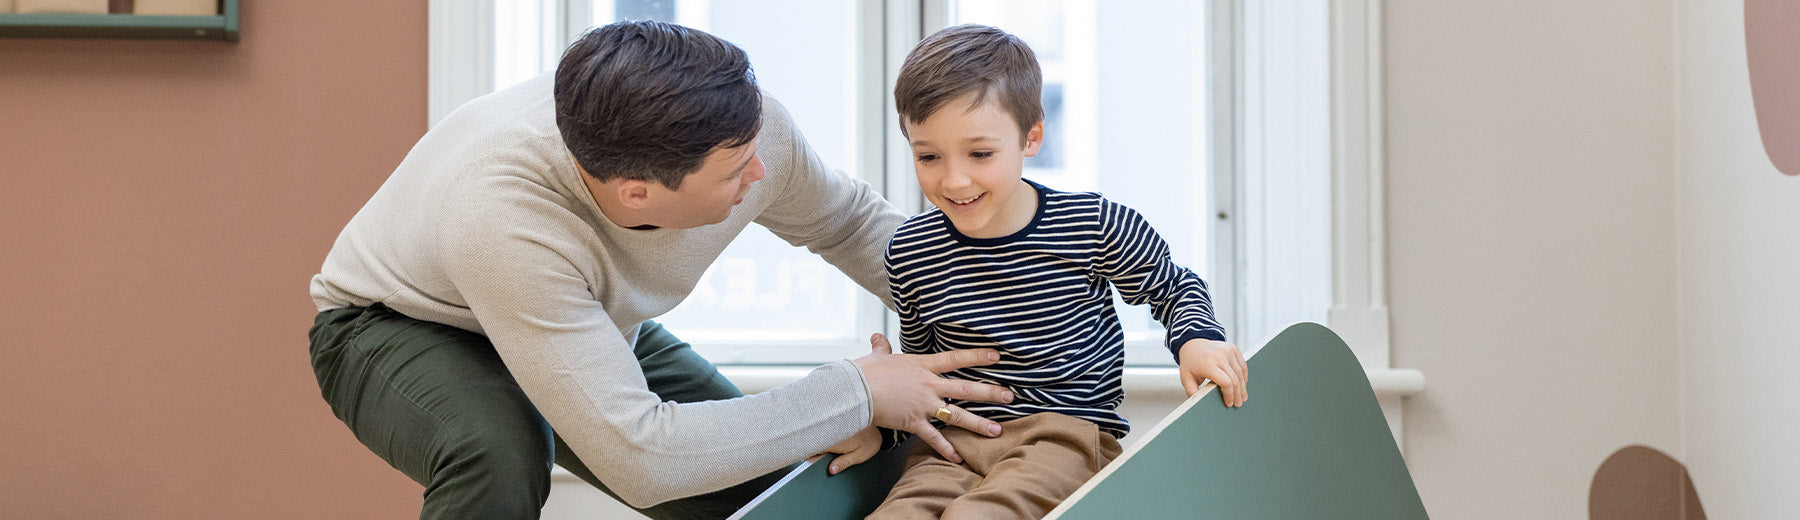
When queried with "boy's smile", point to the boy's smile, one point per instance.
{"points": [[969, 160]]}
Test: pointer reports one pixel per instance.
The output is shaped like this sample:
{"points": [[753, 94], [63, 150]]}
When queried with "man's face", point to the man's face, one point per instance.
{"points": [[707, 196]]}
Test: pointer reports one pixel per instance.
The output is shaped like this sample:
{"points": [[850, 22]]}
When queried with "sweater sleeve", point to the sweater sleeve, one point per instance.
{"points": [[836, 216], [508, 254], [1136, 260]]}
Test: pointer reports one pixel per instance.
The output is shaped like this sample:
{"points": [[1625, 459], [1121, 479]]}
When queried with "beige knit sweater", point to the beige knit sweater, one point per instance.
{"points": [[486, 226]]}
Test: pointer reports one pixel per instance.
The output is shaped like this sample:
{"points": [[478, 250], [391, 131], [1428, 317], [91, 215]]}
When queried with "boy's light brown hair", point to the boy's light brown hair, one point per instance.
{"points": [[967, 59]]}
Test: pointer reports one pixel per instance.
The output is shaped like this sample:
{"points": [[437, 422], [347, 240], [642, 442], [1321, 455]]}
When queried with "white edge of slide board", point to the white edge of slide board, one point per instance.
{"points": [[1204, 391], [777, 487]]}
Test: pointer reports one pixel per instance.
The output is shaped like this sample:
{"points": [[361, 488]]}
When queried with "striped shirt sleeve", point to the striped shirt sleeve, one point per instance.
{"points": [[1136, 260]]}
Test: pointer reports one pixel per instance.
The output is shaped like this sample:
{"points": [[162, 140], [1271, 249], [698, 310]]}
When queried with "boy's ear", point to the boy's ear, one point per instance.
{"points": [[1034, 139]]}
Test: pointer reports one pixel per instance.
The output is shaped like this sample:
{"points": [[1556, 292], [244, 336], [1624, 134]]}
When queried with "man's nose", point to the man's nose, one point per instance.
{"points": [[754, 171]]}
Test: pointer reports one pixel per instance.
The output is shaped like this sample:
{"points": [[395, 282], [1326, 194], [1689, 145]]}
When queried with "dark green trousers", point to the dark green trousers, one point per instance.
{"points": [[436, 403]]}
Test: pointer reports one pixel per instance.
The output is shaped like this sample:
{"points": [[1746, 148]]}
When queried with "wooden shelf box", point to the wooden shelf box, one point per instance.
{"points": [[222, 26]]}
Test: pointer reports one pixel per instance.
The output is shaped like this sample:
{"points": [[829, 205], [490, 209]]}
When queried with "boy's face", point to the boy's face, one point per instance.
{"points": [[969, 162]]}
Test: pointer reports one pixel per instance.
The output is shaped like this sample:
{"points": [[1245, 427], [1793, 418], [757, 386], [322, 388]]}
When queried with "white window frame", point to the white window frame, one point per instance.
{"points": [[461, 68], [460, 57], [1359, 311]]}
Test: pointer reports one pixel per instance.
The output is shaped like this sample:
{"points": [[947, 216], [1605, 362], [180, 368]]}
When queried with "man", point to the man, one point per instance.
{"points": [[487, 312]]}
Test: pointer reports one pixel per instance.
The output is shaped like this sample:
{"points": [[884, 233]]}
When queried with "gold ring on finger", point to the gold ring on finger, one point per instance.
{"points": [[943, 414]]}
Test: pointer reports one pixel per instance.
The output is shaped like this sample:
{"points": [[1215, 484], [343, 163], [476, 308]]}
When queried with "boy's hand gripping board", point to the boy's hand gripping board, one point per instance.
{"points": [[1310, 443]]}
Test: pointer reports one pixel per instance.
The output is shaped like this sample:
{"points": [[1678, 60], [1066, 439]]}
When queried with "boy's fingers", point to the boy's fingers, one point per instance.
{"points": [[1242, 372], [1223, 376], [858, 456], [1243, 381], [1190, 384], [1229, 383], [1239, 386], [1243, 368]]}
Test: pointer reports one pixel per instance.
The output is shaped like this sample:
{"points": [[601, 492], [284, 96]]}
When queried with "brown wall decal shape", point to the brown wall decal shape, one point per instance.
{"points": [[1772, 45], [1640, 483]]}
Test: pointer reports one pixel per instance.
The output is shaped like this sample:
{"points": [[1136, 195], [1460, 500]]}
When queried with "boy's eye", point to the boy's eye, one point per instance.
{"points": [[927, 157], [981, 155]]}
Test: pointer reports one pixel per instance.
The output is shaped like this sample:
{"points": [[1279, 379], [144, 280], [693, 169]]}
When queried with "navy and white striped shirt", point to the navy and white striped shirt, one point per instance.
{"points": [[1042, 297]]}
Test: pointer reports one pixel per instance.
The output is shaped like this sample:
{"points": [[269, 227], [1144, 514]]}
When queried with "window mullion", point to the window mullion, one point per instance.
{"points": [[460, 57], [1285, 182], [553, 33], [576, 17], [904, 25], [869, 124], [1359, 302], [1225, 86]]}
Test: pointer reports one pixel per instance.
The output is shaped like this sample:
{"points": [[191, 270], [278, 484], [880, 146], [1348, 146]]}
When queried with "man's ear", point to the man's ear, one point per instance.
{"points": [[634, 193], [1034, 139]]}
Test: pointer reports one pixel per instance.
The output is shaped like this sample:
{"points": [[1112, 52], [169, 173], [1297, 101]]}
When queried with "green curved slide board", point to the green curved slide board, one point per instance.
{"points": [[1310, 443], [807, 492]]}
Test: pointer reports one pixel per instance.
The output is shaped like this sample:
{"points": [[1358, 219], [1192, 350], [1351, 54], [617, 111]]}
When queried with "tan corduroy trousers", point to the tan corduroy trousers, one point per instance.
{"points": [[1036, 463]]}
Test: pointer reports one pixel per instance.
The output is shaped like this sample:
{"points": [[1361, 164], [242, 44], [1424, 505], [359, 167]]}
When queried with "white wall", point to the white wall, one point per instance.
{"points": [[1531, 214], [1740, 282]]}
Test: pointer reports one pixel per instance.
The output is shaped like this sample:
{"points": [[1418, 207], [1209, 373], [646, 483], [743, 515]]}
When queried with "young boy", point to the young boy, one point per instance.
{"points": [[1009, 264]]}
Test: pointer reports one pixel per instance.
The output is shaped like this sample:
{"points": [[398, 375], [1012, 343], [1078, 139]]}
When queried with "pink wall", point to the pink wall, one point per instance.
{"points": [[162, 206]]}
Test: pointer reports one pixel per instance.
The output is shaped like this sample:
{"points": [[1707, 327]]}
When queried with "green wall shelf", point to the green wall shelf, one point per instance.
{"points": [[47, 25]]}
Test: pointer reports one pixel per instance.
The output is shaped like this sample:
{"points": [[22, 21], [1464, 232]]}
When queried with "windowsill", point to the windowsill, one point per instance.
{"points": [[1140, 382]]}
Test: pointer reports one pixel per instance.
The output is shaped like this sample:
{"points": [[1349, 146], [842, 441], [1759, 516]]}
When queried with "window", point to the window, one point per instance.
{"points": [[1125, 114], [1200, 115], [762, 301]]}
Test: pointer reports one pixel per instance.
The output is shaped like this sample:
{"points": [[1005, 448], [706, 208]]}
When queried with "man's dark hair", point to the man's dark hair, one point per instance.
{"points": [[966, 59], [650, 100]]}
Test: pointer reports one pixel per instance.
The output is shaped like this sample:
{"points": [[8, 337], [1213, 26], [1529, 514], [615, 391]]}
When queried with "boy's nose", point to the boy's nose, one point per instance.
{"points": [[955, 178]]}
